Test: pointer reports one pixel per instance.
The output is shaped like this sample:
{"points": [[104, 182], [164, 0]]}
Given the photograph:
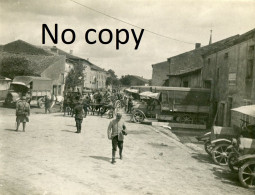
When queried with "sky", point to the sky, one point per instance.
{"points": [[185, 20]]}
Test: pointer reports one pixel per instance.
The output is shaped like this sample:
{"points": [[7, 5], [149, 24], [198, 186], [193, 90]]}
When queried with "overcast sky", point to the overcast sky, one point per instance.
{"points": [[185, 20]]}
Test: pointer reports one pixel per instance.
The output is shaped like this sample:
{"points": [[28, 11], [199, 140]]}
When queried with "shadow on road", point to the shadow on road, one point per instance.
{"points": [[203, 158], [68, 130], [71, 125], [138, 132], [226, 176], [10, 129], [107, 159]]}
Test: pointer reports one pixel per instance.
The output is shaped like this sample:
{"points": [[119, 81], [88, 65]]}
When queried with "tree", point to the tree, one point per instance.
{"points": [[15, 66], [112, 73], [125, 80], [112, 79], [75, 77]]}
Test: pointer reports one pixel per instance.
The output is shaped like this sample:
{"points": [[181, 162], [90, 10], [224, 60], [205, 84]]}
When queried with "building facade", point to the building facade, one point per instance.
{"points": [[229, 71]]}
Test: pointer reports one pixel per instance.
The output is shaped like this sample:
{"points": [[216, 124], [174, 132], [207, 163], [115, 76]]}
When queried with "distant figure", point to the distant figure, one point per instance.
{"points": [[86, 105], [130, 105], [116, 131], [78, 114], [22, 113], [47, 104]]}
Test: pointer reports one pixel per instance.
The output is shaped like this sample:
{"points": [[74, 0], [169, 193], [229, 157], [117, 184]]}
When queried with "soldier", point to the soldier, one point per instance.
{"points": [[86, 105], [116, 131], [47, 104], [22, 113], [78, 112]]}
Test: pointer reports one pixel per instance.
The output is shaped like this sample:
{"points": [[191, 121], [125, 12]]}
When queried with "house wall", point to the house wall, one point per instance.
{"points": [[94, 79], [227, 71], [159, 73], [57, 73], [193, 79]]}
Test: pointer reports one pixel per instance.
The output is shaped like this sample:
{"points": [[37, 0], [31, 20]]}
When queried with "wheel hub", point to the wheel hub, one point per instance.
{"points": [[223, 154]]}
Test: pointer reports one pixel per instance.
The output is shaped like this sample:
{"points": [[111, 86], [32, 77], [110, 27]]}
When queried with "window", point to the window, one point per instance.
{"points": [[249, 70], [251, 48], [185, 84], [207, 84], [226, 56], [208, 61], [232, 78]]}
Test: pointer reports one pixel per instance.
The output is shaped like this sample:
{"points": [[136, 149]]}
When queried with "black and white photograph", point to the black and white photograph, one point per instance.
{"points": [[127, 97]]}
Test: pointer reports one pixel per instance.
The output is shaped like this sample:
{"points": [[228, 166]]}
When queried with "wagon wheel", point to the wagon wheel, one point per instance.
{"points": [[220, 154], [232, 159], [40, 103], [138, 117], [247, 174], [208, 147], [187, 119], [117, 106]]}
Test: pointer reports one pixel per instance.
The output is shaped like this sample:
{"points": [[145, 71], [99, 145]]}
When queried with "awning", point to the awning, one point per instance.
{"points": [[150, 94], [248, 110], [131, 90]]}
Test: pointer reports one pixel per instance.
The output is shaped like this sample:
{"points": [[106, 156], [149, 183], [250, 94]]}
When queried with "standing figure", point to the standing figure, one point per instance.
{"points": [[116, 131], [47, 104], [78, 114], [22, 113], [130, 105], [86, 105]]}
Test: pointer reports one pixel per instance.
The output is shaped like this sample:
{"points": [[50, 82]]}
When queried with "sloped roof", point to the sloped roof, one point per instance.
{"points": [[38, 63], [140, 78], [22, 47], [238, 39], [73, 57], [193, 60], [186, 71]]}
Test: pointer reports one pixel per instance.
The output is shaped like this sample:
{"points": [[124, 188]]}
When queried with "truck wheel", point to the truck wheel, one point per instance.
{"points": [[40, 103], [220, 154], [247, 174], [138, 117]]}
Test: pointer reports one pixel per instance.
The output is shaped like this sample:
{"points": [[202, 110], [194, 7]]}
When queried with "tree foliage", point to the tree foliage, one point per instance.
{"points": [[75, 77], [15, 66], [125, 80], [112, 79]]}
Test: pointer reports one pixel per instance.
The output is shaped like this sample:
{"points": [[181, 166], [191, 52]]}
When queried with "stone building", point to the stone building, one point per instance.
{"points": [[160, 73], [229, 71], [184, 70], [226, 67]]}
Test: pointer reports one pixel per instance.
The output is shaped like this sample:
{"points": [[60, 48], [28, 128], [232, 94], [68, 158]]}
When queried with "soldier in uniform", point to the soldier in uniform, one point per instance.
{"points": [[47, 104], [22, 112], [78, 114], [116, 131]]}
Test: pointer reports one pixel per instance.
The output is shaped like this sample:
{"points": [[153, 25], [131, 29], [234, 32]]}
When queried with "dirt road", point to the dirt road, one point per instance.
{"points": [[49, 158]]}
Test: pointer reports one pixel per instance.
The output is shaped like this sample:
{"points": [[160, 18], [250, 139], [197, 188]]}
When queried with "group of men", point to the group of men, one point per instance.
{"points": [[116, 129]]}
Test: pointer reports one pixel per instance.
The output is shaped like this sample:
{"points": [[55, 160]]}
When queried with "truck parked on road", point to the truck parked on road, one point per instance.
{"points": [[178, 105], [35, 89]]}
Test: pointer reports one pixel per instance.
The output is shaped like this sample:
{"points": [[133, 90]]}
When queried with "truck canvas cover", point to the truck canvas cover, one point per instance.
{"points": [[37, 83]]}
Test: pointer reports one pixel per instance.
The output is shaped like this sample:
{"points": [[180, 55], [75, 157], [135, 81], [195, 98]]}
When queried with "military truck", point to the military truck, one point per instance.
{"points": [[35, 89]]}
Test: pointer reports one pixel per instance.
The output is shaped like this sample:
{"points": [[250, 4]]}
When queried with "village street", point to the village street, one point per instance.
{"points": [[49, 158]]}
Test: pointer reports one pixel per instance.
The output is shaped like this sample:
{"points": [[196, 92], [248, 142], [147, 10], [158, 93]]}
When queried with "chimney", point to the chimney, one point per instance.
{"points": [[71, 52], [198, 45], [54, 49]]}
